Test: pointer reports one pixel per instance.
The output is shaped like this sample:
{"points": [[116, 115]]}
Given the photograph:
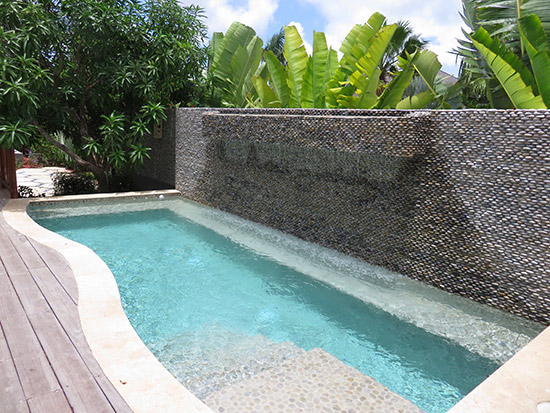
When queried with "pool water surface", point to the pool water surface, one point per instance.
{"points": [[214, 310]]}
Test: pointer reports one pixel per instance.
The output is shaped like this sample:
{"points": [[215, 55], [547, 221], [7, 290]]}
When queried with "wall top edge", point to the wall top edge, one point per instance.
{"points": [[408, 116], [371, 112]]}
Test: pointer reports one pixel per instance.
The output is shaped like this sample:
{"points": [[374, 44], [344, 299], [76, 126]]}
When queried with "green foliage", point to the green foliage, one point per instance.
{"points": [[319, 70], [360, 65], [65, 183], [235, 57], [320, 80], [101, 71], [537, 46], [404, 42], [276, 44], [50, 155], [501, 19], [514, 76]]}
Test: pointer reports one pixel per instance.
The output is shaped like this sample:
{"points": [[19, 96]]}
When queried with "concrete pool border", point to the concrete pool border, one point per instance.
{"points": [[519, 385], [139, 377]]}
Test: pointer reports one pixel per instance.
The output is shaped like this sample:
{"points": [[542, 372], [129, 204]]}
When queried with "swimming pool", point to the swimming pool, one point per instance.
{"points": [[190, 290]]}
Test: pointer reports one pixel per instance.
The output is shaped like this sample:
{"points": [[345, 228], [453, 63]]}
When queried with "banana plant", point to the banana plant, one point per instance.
{"points": [[235, 58], [354, 47], [537, 46], [427, 67], [525, 90], [320, 80], [319, 70], [499, 18], [303, 82]]}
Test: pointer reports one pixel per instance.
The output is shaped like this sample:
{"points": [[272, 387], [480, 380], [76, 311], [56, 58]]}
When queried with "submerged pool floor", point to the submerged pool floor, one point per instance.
{"points": [[214, 311]]}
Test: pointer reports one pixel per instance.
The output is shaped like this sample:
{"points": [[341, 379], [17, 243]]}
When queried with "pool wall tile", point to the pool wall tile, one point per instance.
{"points": [[459, 199]]}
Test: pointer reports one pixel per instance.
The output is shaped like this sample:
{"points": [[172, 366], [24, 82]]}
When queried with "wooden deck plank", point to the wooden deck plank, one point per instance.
{"points": [[31, 258], [45, 363], [59, 267], [28, 292], [34, 371], [8, 254], [50, 402], [76, 380], [66, 313], [12, 398]]}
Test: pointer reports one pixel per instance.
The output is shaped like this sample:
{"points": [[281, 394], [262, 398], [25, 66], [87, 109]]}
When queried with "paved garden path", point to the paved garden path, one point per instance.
{"points": [[39, 179]]}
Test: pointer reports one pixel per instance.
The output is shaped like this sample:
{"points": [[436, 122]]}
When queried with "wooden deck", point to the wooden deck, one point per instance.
{"points": [[46, 364]]}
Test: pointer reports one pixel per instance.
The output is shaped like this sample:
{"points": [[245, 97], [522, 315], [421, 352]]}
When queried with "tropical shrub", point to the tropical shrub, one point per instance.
{"points": [[101, 71], [499, 18], [66, 183], [524, 88], [233, 59], [320, 80]]}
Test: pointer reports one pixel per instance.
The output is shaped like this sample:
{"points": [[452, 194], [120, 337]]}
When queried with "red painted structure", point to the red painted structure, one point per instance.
{"points": [[8, 178]]}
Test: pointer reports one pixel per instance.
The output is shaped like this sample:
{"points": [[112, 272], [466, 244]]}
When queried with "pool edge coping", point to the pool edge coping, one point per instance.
{"points": [[142, 381], [141, 388]]}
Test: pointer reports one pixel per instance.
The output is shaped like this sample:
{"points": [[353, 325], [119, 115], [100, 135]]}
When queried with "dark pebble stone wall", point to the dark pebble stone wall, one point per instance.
{"points": [[457, 199]]}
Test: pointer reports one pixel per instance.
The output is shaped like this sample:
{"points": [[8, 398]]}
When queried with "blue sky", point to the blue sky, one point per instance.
{"points": [[436, 20]]}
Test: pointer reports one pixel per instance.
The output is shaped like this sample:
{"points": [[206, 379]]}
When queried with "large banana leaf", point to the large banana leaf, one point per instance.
{"points": [[378, 45], [393, 92], [427, 66], [418, 101], [214, 48], [366, 76], [268, 98], [243, 65], [278, 77], [316, 77], [536, 44], [509, 71], [235, 59], [297, 59], [357, 48], [237, 35]]}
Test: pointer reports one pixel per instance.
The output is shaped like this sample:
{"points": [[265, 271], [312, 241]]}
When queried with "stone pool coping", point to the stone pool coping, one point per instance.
{"points": [[517, 386], [144, 383]]}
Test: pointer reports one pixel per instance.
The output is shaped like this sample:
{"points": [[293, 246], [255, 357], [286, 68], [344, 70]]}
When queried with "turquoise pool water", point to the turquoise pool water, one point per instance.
{"points": [[214, 310]]}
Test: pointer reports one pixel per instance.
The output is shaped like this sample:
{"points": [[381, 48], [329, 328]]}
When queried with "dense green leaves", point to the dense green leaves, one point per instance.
{"points": [[514, 77], [235, 59], [101, 71], [501, 19], [320, 80], [319, 70], [537, 46], [297, 60]]}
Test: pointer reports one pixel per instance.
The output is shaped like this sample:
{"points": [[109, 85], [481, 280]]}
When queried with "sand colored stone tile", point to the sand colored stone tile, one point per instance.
{"points": [[314, 382], [518, 386]]}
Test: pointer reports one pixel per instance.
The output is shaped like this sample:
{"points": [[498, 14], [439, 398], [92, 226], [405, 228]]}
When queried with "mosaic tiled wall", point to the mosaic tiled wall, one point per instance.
{"points": [[158, 171], [457, 199]]}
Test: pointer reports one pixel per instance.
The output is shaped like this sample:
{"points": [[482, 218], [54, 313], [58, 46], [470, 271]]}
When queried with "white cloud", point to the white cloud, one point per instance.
{"points": [[300, 28], [433, 19], [221, 13]]}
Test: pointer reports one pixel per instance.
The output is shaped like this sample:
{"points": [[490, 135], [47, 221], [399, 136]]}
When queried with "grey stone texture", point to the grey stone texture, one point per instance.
{"points": [[457, 199], [158, 171], [313, 382]]}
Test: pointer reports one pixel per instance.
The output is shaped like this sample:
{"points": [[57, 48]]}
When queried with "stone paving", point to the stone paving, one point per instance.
{"points": [[313, 382], [40, 180]]}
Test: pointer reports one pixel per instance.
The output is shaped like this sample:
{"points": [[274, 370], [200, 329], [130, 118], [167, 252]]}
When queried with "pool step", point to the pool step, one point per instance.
{"points": [[212, 358], [313, 382]]}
